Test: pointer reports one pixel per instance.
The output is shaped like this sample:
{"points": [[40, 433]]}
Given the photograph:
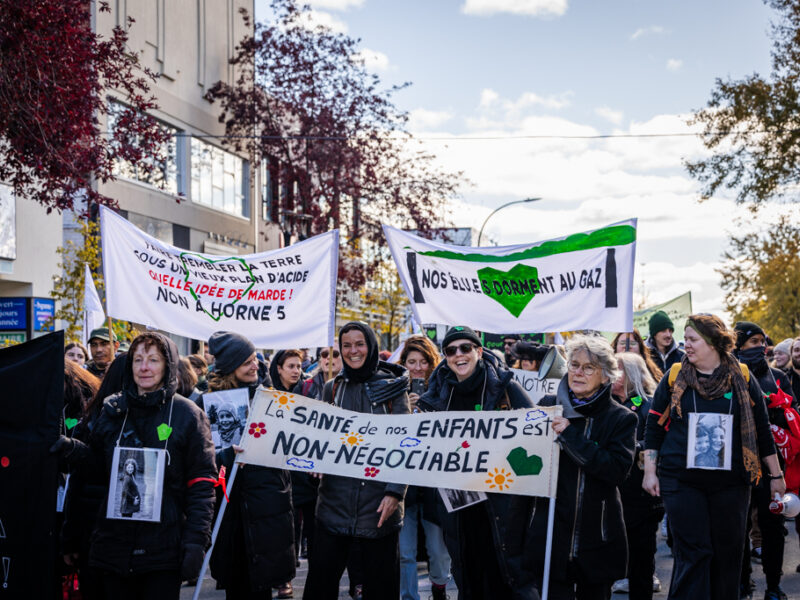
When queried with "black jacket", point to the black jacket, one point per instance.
{"points": [[665, 361], [597, 451], [127, 547], [508, 515]]}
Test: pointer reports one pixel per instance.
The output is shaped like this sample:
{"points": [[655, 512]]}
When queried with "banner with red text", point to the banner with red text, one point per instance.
{"points": [[279, 299]]}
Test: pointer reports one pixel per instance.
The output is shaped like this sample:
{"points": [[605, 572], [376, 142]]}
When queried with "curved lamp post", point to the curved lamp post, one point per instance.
{"points": [[499, 208]]}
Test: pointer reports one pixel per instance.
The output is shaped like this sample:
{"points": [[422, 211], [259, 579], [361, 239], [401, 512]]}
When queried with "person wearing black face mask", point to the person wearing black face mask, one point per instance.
{"points": [[751, 350]]}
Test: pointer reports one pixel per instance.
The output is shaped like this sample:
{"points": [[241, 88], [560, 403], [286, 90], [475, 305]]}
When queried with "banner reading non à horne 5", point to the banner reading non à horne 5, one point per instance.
{"points": [[582, 281], [510, 452], [279, 299]]}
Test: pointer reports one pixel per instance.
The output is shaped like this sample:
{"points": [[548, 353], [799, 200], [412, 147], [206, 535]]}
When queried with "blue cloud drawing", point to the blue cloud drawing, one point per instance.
{"points": [[300, 463], [409, 442], [533, 415]]}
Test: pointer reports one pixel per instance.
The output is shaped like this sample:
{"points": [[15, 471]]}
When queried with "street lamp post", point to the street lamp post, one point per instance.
{"points": [[499, 208]]}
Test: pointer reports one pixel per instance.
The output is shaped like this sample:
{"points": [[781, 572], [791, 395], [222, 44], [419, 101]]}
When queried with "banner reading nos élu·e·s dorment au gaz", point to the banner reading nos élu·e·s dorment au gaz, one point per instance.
{"points": [[279, 299], [582, 281]]}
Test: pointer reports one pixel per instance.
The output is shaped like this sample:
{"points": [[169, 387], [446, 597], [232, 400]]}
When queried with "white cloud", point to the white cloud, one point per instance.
{"points": [[534, 8], [652, 30], [336, 4], [427, 120], [313, 18], [488, 97], [609, 114], [674, 64], [374, 60]]}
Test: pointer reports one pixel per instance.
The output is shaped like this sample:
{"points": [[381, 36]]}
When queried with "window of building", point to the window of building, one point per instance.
{"points": [[219, 179], [269, 191], [164, 171]]}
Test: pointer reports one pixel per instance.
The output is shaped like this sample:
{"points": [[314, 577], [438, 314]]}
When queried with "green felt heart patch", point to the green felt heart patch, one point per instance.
{"points": [[70, 423], [513, 289], [164, 431], [522, 464]]}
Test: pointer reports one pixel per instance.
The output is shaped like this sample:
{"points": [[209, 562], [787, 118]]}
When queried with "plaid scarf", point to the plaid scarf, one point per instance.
{"points": [[726, 377]]}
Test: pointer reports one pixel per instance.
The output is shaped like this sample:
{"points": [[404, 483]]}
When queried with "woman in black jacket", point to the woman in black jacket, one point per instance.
{"points": [[485, 541], [254, 551], [596, 435]]}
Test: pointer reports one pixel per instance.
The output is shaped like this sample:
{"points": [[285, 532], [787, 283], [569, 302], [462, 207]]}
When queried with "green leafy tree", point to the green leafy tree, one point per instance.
{"points": [[751, 124]]}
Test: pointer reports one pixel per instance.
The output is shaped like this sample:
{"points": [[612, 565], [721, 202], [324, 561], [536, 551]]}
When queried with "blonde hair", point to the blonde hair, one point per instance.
{"points": [[637, 376]]}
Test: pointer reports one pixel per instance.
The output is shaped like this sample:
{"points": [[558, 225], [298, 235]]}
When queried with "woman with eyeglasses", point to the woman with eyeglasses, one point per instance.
{"points": [[597, 441], [486, 541], [632, 342]]}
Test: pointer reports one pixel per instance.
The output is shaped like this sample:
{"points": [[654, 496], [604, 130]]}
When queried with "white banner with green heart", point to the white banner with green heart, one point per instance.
{"points": [[508, 451], [582, 281], [280, 299]]}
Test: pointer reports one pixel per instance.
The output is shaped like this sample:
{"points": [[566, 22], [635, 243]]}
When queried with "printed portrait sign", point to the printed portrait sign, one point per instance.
{"points": [[710, 441], [136, 486], [227, 414], [583, 281], [279, 299], [510, 452], [454, 500]]}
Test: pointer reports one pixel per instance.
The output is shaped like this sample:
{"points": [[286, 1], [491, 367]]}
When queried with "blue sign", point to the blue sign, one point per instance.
{"points": [[13, 316], [44, 310]]}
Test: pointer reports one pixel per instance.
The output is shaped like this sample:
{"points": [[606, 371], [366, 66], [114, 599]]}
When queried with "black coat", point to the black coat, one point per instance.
{"points": [[129, 547], [508, 515], [597, 451], [665, 361]]}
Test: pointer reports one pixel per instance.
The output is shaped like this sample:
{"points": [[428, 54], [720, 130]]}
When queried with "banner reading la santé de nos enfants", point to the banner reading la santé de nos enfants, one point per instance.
{"points": [[279, 299], [510, 452], [582, 281]]}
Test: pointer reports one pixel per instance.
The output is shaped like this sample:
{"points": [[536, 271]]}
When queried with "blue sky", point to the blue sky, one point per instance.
{"points": [[511, 68]]}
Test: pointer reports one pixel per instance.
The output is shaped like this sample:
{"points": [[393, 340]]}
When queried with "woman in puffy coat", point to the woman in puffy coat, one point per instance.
{"points": [[254, 551], [597, 442], [354, 515], [485, 541]]}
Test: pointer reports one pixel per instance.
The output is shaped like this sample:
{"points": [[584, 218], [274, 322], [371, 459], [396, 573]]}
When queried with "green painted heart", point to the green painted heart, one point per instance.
{"points": [[164, 431], [224, 284], [70, 423], [512, 289], [522, 464]]}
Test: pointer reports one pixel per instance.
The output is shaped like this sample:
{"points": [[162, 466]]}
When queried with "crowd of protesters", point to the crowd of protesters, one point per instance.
{"points": [[707, 433]]}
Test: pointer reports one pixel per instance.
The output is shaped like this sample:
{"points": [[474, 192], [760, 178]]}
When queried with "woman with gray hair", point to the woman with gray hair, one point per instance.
{"points": [[596, 436], [634, 390]]}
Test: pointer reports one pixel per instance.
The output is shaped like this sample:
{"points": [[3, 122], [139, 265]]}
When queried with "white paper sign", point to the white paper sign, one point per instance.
{"points": [[510, 452], [583, 281], [279, 299], [535, 388]]}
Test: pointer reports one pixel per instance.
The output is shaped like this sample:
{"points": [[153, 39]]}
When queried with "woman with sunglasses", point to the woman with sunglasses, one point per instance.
{"points": [[329, 363], [485, 540]]}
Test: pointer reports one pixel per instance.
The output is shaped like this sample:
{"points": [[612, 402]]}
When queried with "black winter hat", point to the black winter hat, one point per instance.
{"points": [[659, 321], [745, 330], [461, 332], [230, 350]]}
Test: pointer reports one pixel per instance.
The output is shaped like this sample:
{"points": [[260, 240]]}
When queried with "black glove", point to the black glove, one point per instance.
{"points": [[63, 446], [193, 555]]}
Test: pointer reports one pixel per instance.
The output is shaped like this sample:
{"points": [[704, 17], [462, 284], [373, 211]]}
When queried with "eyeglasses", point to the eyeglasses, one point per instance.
{"points": [[463, 348], [588, 369], [509, 343], [324, 354]]}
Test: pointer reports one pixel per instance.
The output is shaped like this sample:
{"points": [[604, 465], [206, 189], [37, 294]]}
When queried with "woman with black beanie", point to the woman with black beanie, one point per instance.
{"points": [[355, 516]]}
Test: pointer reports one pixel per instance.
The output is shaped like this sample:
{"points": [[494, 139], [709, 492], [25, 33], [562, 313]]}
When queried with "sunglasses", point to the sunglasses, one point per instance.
{"points": [[324, 354], [463, 348]]}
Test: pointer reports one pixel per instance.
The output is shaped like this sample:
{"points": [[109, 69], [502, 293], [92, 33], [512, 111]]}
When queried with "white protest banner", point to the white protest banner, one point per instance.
{"points": [[279, 299], [535, 388], [583, 281], [678, 310], [511, 452], [93, 315]]}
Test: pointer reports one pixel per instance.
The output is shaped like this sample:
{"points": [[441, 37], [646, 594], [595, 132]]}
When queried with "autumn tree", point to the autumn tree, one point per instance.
{"points": [[761, 276], [752, 125], [54, 75], [336, 145]]}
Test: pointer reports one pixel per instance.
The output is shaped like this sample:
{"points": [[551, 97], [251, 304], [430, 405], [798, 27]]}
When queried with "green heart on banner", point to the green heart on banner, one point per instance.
{"points": [[164, 431], [213, 262], [522, 464], [512, 289], [70, 423]]}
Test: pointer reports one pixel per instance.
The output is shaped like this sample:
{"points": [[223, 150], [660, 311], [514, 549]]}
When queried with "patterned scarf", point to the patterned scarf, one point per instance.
{"points": [[727, 377]]}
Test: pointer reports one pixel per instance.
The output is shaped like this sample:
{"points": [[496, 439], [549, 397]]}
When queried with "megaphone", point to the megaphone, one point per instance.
{"points": [[553, 365], [788, 506]]}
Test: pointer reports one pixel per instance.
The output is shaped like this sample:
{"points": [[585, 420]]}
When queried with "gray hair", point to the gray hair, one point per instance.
{"points": [[599, 350], [638, 378]]}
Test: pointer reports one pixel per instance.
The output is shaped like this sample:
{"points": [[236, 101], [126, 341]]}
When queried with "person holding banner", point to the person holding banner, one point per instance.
{"points": [[485, 540], [355, 516], [254, 551], [707, 506], [597, 440]]}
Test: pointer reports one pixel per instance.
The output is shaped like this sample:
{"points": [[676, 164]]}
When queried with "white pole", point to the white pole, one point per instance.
{"points": [[548, 551], [214, 533]]}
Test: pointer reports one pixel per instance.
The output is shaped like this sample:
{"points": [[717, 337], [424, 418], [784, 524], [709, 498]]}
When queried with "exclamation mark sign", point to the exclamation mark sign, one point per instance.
{"points": [[290, 294], [6, 569]]}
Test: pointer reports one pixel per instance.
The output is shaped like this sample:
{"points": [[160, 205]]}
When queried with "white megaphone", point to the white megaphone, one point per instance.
{"points": [[788, 506]]}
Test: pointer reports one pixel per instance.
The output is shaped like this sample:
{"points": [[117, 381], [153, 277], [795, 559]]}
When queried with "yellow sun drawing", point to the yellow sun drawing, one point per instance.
{"points": [[284, 401], [499, 479], [354, 439]]}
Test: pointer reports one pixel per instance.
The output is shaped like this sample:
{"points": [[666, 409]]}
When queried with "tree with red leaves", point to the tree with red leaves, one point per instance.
{"points": [[54, 75], [332, 137]]}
